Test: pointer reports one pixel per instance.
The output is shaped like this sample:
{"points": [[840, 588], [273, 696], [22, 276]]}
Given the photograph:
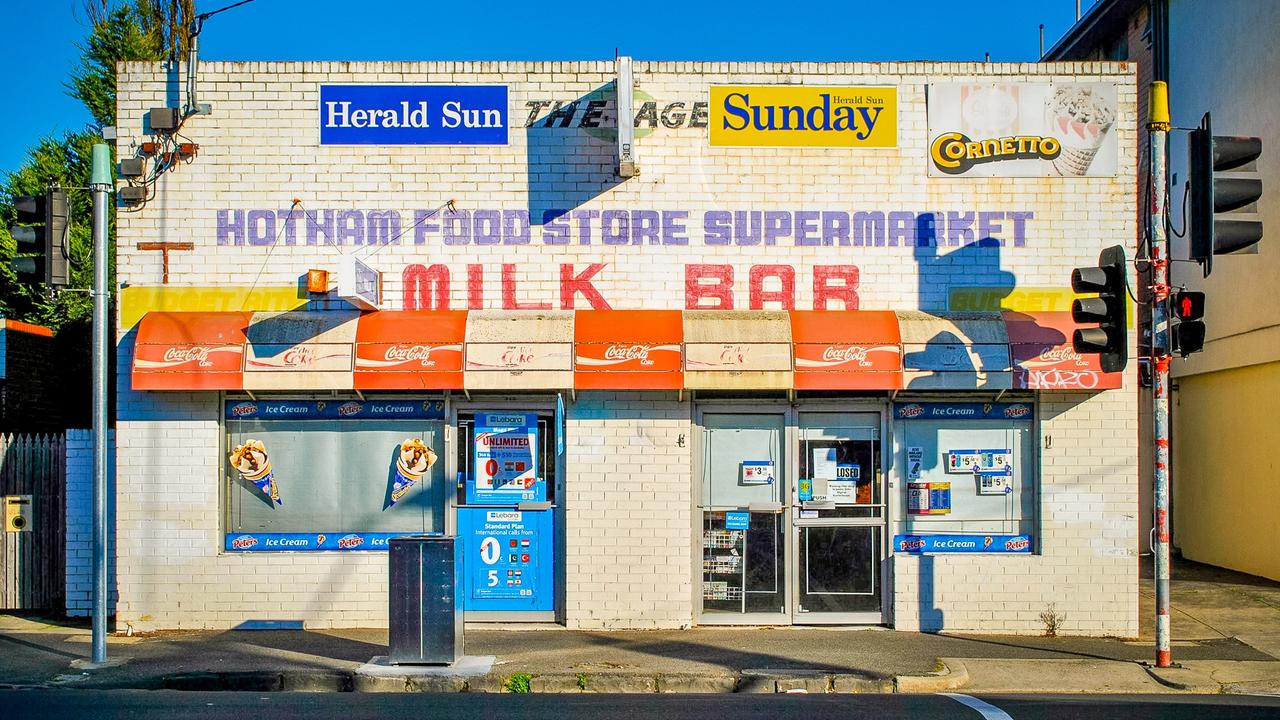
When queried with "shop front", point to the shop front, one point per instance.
{"points": [[813, 377]]}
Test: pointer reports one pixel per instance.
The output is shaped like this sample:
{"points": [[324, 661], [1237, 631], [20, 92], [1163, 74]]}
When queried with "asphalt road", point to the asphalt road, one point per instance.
{"points": [[143, 705]]}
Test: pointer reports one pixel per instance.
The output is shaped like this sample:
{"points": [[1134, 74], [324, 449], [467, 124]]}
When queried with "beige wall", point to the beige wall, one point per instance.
{"points": [[1228, 474]]}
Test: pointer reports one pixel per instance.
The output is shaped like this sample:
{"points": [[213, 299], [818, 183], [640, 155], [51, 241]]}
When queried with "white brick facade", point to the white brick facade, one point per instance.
{"points": [[629, 552]]}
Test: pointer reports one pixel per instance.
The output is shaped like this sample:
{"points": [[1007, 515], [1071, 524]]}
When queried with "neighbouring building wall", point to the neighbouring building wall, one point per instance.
{"points": [[1222, 59], [79, 500], [1228, 478]]}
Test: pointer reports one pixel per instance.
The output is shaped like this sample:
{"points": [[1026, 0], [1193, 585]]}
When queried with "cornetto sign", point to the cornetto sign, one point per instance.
{"points": [[413, 115]]}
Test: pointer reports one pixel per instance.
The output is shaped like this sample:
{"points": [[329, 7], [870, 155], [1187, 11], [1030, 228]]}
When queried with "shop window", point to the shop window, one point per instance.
{"points": [[337, 472], [966, 477]]}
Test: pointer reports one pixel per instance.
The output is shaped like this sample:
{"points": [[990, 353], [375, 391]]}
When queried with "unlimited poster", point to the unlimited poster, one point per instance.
{"points": [[1022, 129], [505, 459]]}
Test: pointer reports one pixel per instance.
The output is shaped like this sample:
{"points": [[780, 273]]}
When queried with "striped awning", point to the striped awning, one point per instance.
{"points": [[860, 350]]}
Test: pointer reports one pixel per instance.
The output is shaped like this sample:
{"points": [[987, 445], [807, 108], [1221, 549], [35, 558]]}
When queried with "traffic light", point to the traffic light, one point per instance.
{"points": [[1213, 193], [41, 235], [1187, 334], [1111, 338]]}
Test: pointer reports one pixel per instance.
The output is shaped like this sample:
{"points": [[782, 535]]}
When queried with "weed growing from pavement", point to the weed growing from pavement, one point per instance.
{"points": [[518, 683]]}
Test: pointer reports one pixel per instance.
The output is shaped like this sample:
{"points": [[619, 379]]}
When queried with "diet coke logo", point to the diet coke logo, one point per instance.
{"points": [[629, 352], [734, 355], [1062, 354], [846, 354], [515, 356], [409, 353], [297, 356], [197, 353]]}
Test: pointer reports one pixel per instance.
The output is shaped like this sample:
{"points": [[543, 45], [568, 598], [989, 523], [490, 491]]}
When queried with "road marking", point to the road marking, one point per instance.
{"points": [[988, 711]]}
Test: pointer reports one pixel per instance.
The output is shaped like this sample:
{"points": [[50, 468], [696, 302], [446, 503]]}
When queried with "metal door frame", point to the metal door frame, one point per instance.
{"points": [[544, 405], [873, 408], [786, 411]]}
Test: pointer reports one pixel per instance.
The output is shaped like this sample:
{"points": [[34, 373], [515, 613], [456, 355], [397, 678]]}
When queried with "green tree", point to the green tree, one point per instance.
{"points": [[141, 30]]}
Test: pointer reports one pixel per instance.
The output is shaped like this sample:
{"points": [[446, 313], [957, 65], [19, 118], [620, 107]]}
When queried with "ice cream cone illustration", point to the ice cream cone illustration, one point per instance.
{"points": [[414, 461], [1080, 118], [251, 461]]}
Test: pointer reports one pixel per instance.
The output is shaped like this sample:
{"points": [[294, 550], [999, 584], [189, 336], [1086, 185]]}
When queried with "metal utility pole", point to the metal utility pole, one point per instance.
{"points": [[1158, 130], [100, 184]]}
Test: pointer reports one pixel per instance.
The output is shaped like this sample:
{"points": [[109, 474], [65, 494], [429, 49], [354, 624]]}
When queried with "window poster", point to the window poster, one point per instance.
{"points": [[505, 459]]}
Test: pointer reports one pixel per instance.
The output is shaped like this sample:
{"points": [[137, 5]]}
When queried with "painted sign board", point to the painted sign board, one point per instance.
{"points": [[1022, 129], [413, 115]]}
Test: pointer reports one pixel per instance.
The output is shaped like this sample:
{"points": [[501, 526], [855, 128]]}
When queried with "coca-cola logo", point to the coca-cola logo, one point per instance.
{"points": [[1062, 354], [629, 352], [910, 411], [407, 353], [244, 542], [348, 409], [243, 409], [911, 544], [197, 353], [1017, 411], [516, 355], [346, 542], [1017, 544], [845, 354], [296, 356]]}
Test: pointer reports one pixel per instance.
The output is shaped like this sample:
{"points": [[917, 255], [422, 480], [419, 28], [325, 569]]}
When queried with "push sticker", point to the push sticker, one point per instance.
{"points": [[251, 461]]}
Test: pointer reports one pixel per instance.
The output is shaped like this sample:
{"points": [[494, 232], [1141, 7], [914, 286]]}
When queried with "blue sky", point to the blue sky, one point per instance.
{"points": [[38, 39]]}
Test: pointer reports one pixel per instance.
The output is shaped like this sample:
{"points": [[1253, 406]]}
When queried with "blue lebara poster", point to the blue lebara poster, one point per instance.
{"points": [[505, 460], [508, 559]]}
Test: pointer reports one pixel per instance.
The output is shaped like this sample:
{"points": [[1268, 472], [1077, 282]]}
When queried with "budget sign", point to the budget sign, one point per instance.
{"points": [[413, 115]]}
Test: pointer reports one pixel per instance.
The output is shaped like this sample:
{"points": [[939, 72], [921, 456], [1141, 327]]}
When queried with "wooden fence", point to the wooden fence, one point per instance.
{"points": [[32, 562]]}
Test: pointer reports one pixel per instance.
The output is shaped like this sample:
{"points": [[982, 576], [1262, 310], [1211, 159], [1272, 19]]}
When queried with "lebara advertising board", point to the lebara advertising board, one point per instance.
{"points": [[505, 460], [508, 559], [1022, 129]]}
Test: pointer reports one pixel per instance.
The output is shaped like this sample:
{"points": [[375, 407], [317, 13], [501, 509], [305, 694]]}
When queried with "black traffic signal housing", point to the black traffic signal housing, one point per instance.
{"points": [[1110, 339], [1186, 335], [41, 236], [1213, 194]]}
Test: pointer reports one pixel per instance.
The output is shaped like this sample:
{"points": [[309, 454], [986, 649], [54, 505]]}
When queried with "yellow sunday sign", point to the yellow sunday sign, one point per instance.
{"points": [[803, 116]]}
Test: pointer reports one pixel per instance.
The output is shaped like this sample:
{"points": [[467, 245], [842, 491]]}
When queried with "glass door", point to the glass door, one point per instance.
{"points": [[840, 518], [743, 524]]}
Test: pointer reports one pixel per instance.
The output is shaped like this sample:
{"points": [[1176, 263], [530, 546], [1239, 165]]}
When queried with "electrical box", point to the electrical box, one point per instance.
{"points": [[18, 516], [757, 472], [132, 194], [131, 168], [163, 119]]}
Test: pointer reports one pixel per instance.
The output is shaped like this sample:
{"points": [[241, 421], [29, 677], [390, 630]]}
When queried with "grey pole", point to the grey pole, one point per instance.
{"points": [[1159, 126], [101, 186]]}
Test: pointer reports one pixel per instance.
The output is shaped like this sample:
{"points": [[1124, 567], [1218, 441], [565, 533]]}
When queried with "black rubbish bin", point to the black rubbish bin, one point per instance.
{"points": [[425, 622]]}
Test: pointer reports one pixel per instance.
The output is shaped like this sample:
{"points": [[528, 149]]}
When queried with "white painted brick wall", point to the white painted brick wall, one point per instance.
{"points": [[259, 150], [79, 509]]}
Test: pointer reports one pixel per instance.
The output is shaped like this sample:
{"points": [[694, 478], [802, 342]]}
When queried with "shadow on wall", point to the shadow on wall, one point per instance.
{"points": [[571, 162]]}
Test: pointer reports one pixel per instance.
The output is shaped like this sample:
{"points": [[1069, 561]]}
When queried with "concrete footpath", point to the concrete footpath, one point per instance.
{"points": [[1226, 628]]}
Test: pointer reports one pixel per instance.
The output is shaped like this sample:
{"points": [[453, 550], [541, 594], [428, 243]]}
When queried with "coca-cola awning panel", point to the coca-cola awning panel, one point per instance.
{"points": [[190, 351], [737, 350], [410, 350], [954, 351], [1043, 358], [519, 350], [847, 350], [628, 350], [300, 351]]}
